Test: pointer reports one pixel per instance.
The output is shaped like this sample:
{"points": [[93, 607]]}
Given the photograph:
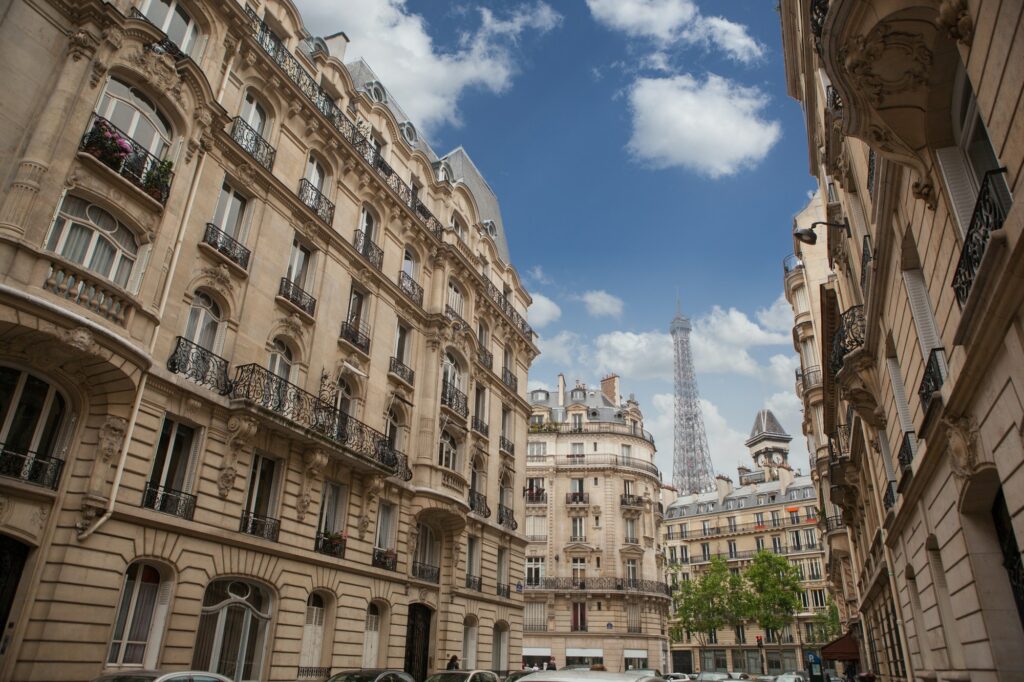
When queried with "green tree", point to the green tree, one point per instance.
{"points": [[709, 602], [773, 591], [826, 624]]}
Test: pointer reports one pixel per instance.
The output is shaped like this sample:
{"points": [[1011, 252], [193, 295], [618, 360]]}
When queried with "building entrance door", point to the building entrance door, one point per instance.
{"points": [[12, 560], [417, 641], [682, 661]]}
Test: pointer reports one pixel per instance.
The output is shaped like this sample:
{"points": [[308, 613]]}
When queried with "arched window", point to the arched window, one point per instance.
{"points": [[171, 18], [505, 491], [204, 322], [483, 336], [231, 639], [458, 227], [499, 647], [32, 415], [451, 373], [254, 114], [476, 475], [470, 627], [391, 428], [316, 174], [456, 301], [281, 360], [447, 451], [313, 632], [371, 637], [428, 554], [506, 358], [138, 626], [88, 235], [344, 401], [409, 263], [137, 117], [367, 224]]}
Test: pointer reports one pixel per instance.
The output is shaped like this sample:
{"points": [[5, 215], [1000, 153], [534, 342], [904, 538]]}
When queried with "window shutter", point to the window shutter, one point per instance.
{"points": [[959, 184], [921, 310], [899, 393]]}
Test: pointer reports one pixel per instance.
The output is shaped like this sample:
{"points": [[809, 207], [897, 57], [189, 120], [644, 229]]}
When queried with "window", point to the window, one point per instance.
{"points": [[777, 544], [627, 487], [705, 527], [371, 638], [535, 483], [458, 227], [810, 538], [385, 526], [409, 264], [401, 343], [634, 618], [732, 524], [476, 476], [579, 570], [470, 626], [499, 652], [140, 616], [759, 544], [428, 547], [204, 322], [818, 598], [673, 557], [171, 18], [705, 551], [535, 617], [627, 452], [805, 600], [576, 485], [456, 301], [172, 469], [776, 519], [536, 449], [794, 540], [506, 422], [280, 360], [794, 517], [357, 310], [368, 226], [741, 635], [254, 114], [343, 400], [299, 264], [810, 513], [577, 422], [502, 568], [333, 507], [473, 556], [579, 616], [814, 571], [576, 449], [89, 236], [534, 570], [632, 570], [137, 117], [451, 374], [315, 173], [230, 213], [732, 549], [759, 519], [313, 632], [447, 451], [261, 498], [231, 638], [712, 637], [32, 414], [630, 531], [579, 533]]}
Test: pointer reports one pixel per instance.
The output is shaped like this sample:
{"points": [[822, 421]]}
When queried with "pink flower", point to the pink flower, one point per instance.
{"points": [[124, 145]]}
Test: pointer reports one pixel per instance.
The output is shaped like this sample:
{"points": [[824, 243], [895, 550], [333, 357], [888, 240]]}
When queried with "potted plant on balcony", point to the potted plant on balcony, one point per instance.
{"points": [[106, 144], [157, 180], [334, 543]]}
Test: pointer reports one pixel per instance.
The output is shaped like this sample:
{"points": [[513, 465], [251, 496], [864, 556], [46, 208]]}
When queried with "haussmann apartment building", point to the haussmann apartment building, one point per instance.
{"points": [[242, 307], [912, 295]]}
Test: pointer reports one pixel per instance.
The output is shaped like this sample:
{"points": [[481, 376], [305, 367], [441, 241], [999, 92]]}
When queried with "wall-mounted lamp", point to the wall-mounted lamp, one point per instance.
{"points": [[807, 235]]}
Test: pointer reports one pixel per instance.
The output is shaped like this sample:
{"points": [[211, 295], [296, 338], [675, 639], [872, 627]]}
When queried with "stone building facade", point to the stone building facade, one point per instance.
{"points": [[914, 133], [242, 305], [594, 585]]}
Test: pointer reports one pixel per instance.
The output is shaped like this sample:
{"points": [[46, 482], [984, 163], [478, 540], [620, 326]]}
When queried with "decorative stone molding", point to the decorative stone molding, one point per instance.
{"points": [[241, 431], [962, 438], [81, 45], [857, 385], [866, 57], [314, 460], [159, 70], [925, 191], [111, 436], [955, 18]]}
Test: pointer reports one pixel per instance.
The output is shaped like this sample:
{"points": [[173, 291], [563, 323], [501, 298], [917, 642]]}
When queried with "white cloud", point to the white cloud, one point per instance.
{"points": [[537, 274], [426, 79], [733, 327], [537, 384], [730, 37], [657, 61], [714, 128], [778, 317], [725, 442], [562, 349], [543, 311], [635, 356], [602, 304], [781, 371]]}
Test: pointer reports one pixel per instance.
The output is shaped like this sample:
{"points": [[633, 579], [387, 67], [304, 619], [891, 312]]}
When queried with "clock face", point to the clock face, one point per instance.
{"points": [[777, 458]]}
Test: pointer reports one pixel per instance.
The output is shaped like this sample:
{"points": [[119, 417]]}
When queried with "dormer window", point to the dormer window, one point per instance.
{"points": [[409, 133], [490, 228], [540, 396], [578, 394], [377, 92]]}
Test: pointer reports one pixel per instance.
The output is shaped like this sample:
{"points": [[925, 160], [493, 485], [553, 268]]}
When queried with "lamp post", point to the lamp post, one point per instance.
{"points": [[807, 235]]}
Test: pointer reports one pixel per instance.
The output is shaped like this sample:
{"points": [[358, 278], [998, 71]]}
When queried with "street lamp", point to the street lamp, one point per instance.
{"points": [[807, 235]]}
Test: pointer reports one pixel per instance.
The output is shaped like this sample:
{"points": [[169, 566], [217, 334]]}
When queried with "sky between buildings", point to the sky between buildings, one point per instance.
{"points": [[639, 149]]}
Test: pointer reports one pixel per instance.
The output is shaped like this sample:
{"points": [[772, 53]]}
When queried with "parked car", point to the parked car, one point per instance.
{"points": [[161, 676], [705, 676], [676, 676], [464, 676], [789, 677], [518, 674], [372, 675], [588, 675], [739, 676]]}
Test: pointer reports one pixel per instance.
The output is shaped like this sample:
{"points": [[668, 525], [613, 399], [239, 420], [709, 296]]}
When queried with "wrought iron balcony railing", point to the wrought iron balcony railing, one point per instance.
{"points": [[400, 370], [169, 501], [865, 263], [480, 426], [819, 10], [600, 584], [384, 558], [115, 149], [849, 336], [889, 499], [628, 500], [508, 378], [631, 540], [454, 399], [534, 496], [400, 460], [292, 292], [30, 467], [833, 99], [307, 672], [370, 251], [934, 376], [577, 538], [791, 263], [261, 526], [455, 314], [316, 201], [165, 44], [331, 544], [499, 299], [506, 517], [833, 523], [989, 216], [577, 498], [478, 504], [431, 574], [905, 456], [473, 582], [357, 333], [485, 358], [506, 445], [410, 287], [226, 245], [199, 365], [246, 137], [811, 377], [503, 590]]}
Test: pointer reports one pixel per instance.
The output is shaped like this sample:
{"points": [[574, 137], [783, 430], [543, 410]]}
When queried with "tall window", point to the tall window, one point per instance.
{"points": [[371, 638], [447, 451], [254, 114], [357, 309], [632, 570], [313, 632], [579, 616], [579, 524], [368, 225], [89, 236], [451, 374], [172, 465], [428, 546], [456, 301], [32, 413], [401, 343], [298, 264], [630, 530], [409, 263], [332, 509], [470, 634], [344, 399], [204, 322], [316, 174], [385, 526], [138, 625], [634, 618], [137, 117], [231, 639], [261, 498], [171, 18], [229, 215], [280, 363], [502, 573], [534, 570], [579, 570], [473, 556], [499, 647]]}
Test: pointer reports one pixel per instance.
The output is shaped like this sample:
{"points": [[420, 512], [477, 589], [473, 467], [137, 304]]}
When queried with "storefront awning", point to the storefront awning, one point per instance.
{"points": [[635, 653], [536, 651], [590, 653], [841, 649]]}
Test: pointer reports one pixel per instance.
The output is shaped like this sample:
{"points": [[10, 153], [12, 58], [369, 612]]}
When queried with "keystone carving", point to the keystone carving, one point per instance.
{"points": [[962, 434], [314, 461], [956, 20], [159, 70], [241, 431]]}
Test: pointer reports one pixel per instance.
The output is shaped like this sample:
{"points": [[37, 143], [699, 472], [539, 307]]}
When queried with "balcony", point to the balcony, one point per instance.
{"points": [[165, 44], [29, 467], [508, 378], [593, 427], [577, 498], [865, 263], [218, 240], [988, 217], [503, 590], [506, 445], [889, 499], [261, 526], [791, 264], [818, 12], [246, 137], [501, 302], [631, 501], [410, 288], [485, 358], [384, 558], [294, 294], [432, 574], [599, 584], [577, 538], [94, 293], [811, 377], [112, 147], [370, 251], [169, 501], [199, 365], [834, 523], [630, 540], [454, 400], [315, 200], [536, 538], [849, 336], [357, 333], [455, 315], [506, 517], [534, 496], [905, 456], [400, 460], [479, 426], [934, 377], [331, 544], [478, 504], [833, 100], [398, 368], [473, 582]]}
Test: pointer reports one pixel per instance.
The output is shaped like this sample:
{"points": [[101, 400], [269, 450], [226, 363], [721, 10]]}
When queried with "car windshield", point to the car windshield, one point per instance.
{"points": [[448, 677]]}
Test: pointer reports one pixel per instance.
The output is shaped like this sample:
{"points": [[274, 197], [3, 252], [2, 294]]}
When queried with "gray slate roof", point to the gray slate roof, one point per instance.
{"points": [[767, 427], [686, 505], [599, 408]]}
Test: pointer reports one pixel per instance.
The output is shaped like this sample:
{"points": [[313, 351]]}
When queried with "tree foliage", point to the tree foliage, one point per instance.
{"points": [[774, 590], [709, 602], [826, 624]]}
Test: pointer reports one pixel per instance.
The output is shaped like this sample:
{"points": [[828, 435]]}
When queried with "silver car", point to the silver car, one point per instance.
{"points": [[464, 676], [590, 676], [371, 675], [161, 676]]}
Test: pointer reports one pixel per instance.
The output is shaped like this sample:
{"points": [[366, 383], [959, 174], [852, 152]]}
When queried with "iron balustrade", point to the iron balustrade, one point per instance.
{"points": [[503, 590], [833, 523], [118, 151], [506, 517], [265, 527], [628, 500], [30, 467], [226, 245], [485, 358], [401, 460], [839, 443], [473, 582], [357, 333], [791, 263], [592, 427], [498, 298], [905, 456], [455, 315], [165, 44], [631, 541], [533, 496], [478, 504], [316, 201], [368, 250], [872, 167], [304, 672], [199, 365], [818, 11], [599, 584], [834, 100], [253, 144], [384, 558], [889, 499], [865, 261], [292, 292], [988, 217], [169, 501], [508, 378], [849, 336], [577, 498], [410, 288], [595, 461], [331, 544], [577, 538], [506, 445], [431, 574], [480, 426], [401, 370], [934, 376], [454, 399], [811, 377]]}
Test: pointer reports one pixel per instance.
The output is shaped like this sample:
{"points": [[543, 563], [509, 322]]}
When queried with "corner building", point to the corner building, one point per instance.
{"points": [[242, 306], [913, 121], [773, 509], [594, 587]]}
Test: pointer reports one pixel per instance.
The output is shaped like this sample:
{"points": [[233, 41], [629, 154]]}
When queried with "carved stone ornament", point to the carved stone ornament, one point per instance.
{"points": [[955, 18], [962, 435], [81, 45], [241, 431], [219, 277], [99, 70], [887, 62], [159, 70], [246, 175], [114, 37], [111, 436], [925, 191], [79, 339], [363, 525], [314, 460]]}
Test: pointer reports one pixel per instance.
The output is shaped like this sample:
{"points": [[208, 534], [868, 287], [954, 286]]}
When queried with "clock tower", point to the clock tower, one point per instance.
{"points": [[769, 444]]}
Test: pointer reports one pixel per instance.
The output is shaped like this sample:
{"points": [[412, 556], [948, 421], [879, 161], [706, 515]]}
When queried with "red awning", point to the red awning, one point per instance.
{"points": [[842, 649]]}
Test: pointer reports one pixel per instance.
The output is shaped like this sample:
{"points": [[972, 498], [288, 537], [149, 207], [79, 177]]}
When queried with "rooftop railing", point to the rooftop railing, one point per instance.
{"points": [[593, 427]]}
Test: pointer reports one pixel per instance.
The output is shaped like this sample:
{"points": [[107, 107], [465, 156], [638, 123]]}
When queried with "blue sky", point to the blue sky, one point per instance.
{"points": [[639, 148]]}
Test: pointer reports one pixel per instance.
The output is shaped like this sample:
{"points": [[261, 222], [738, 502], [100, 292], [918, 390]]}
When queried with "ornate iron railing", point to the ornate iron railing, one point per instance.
{"points": [[29, 467], [577, 498], [402, 470], [402, 371], [200, 365], [599, 460], [506, 517], [627, 500], [290, 291], [169, 501], [478, 504], [532, 496], [872, 167], [126, 157], [819, 10], [834, 100], [261, 526], [253, 144], [431, 574], [934, 377], [509, 378], [505, 306], [889, 498], [629, 540], [603, 584], [410, 287], [316, 201], [865, 261], [849, 336], [384, 558], [503, 590], [455, 315], [165, 43], [479, 425], [506, 445], [989, 216], [834, 523], [839, 443], [592, 427], [473, 582], [905, 456], [306, 672], [331, 544], [226, 245], [811, 377], [791, 263], [454, 399], [577, 538], [370, 251], [485, 358], [357, 333]]}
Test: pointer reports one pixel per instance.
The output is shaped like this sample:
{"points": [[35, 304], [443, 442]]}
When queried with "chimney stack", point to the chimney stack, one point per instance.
{"points": [[610, 388], [561, 390], [337, 43]]}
